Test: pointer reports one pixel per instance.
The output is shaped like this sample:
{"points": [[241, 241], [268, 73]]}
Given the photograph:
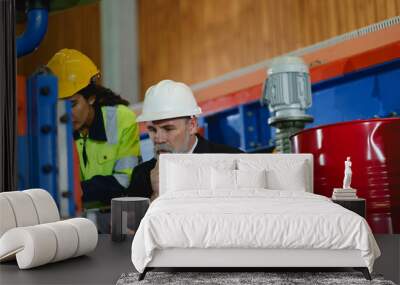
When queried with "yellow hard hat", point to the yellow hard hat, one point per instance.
{"points": [[74, 71]]}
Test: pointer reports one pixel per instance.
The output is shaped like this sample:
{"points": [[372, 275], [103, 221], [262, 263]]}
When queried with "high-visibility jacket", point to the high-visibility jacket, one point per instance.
{"points": [[108, 154]]}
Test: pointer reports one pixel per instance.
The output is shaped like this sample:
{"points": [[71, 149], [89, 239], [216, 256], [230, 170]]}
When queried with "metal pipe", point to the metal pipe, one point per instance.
{"points": [[36, 28]]}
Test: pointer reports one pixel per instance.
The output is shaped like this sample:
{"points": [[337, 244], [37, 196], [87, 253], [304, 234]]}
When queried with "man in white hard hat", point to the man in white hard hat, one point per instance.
{"points": [[169, 111]]}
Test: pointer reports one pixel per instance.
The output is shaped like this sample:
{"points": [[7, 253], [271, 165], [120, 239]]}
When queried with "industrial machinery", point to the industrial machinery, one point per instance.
{"points": [[375, 162], [45, 145], [287, 92], [355, 109], [351, 83]]}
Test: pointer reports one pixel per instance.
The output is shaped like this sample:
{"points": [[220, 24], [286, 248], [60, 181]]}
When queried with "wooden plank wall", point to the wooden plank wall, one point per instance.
{"points": [[196, 40], [77, 27]]}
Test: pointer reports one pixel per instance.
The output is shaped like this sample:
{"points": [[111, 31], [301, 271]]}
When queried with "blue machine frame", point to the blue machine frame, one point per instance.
{"points": [[368, 93], [244, 127], [65, 159], [37, 151], [42, 130], [363, 94]]}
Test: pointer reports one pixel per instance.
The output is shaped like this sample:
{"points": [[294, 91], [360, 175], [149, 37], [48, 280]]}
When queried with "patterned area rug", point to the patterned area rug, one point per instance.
{"points": [[231, 278]]}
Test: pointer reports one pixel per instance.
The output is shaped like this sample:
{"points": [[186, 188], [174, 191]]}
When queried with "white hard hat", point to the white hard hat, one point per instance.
{"points": [[168, 99]]}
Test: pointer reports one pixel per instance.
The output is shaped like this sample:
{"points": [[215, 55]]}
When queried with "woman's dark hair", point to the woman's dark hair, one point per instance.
{"points": [[104, 96]]}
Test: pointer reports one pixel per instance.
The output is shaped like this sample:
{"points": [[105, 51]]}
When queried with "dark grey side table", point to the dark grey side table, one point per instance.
{"points": [[126, 214], [356, 205]]}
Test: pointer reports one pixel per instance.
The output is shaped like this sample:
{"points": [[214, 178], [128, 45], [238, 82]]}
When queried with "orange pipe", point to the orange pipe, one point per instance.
{"points": [[22, 122]]}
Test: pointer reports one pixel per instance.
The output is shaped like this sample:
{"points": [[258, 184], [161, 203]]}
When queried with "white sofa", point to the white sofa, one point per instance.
{"points": [[247, 210]]}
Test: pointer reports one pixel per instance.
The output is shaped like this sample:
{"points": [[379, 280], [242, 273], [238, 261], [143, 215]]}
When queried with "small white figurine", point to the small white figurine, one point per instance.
{"points": [[347, 174]]}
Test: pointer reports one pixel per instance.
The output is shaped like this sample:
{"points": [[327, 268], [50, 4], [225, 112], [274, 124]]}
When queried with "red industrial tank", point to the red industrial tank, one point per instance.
{"points": [[374, 148]]}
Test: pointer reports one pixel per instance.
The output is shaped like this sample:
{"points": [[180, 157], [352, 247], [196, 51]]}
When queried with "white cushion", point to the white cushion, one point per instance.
{"points": [[226, 179], [26, 208], [23, 208], [251, 178], [295, 180], [32, 246], [7, 218], [170, 176], [40, 244], [193, 174], [87, 235], [282, 174], [219, 161], [45, 206], [67, 239], [223, 179], [183, 177], [285, 165]]}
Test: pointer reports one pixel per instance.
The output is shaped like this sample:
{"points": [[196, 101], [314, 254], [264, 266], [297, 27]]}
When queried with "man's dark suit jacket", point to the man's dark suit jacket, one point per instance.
{"points": [[140, 183]]}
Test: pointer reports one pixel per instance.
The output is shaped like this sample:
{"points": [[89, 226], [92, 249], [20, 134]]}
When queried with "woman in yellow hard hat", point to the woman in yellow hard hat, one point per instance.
{"points": [[105, 129]]}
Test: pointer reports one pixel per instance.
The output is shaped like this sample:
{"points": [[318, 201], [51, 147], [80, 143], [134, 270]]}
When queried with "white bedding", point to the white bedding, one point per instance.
{"points": [[251, 218]]}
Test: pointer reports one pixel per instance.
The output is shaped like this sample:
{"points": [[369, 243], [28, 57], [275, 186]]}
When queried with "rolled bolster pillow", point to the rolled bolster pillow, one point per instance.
{"points": [[26, 208], [87, 235], [7, 218], [40, 244], [33, 246], [23, 208], [46, 208], [66, 238]]}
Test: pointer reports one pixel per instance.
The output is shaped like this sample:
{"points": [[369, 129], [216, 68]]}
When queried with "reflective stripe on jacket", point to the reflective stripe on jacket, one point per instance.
{"points": [[112, 147]]}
